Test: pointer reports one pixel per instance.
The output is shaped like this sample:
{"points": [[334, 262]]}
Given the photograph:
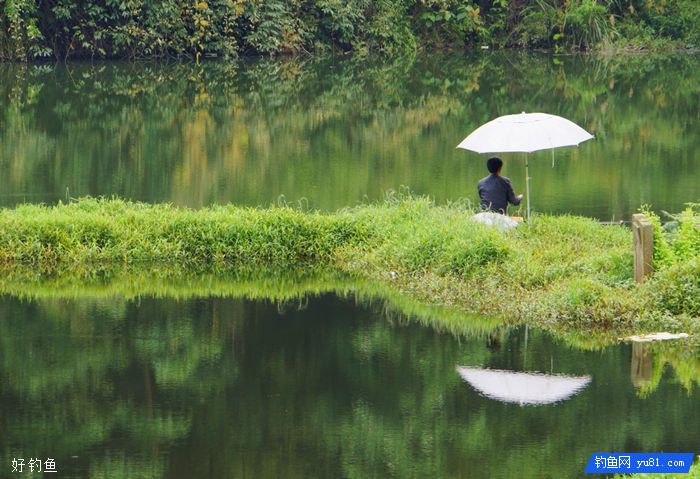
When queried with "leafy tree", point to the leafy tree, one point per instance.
{"points": [[31, 29]]}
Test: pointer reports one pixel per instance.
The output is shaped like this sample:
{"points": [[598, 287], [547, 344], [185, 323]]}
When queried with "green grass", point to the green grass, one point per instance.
{"points": [[90, 232], [561, 272]]}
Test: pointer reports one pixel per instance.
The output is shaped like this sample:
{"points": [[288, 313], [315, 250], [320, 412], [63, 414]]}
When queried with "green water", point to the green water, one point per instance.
{"points": [[334, 132], [323, 387]]}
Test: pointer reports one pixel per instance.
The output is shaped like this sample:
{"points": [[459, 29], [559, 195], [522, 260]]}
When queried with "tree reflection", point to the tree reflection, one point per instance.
{"points": [[335, 131], [222, 387]]}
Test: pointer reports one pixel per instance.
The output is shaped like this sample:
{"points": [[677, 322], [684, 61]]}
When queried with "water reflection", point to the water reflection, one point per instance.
{"points": [[337, 131], [642, 364], [523, 388], [226, 387]]}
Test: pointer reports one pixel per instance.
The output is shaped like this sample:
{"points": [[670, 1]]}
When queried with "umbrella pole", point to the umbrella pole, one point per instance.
{"points": [[527, 184], [525, 351]]}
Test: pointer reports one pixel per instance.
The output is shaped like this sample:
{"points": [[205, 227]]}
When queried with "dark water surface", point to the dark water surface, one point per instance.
{"points": [[233, 388], [335, 132]]}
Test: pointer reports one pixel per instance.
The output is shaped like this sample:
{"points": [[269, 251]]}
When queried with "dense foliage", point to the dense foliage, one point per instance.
{"points": [[32, 29], [677, 256], [678, 240]]}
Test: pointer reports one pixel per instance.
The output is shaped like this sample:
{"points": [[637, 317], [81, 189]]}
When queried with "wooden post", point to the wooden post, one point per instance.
{"points": [[643, 234], [642, 367]]}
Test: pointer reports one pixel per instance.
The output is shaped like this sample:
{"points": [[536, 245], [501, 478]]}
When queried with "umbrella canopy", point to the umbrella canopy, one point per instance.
{"points": [[523, 388], [525, 133]]}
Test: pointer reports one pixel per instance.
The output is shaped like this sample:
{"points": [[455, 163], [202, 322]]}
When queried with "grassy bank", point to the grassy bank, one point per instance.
{"points": [[563, 273]]}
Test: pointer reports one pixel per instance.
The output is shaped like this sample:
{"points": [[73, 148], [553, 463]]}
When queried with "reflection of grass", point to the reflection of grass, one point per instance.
{"points": [[564, 273], [289, 288]]}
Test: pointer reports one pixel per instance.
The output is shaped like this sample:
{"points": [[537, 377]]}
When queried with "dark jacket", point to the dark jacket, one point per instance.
{"points": [[496, 192]]}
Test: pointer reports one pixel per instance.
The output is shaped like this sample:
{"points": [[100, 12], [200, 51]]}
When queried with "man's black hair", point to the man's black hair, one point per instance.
{"points": [[494, 164]]}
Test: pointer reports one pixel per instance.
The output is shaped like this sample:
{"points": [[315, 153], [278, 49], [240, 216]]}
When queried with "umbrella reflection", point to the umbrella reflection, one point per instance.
{"points": [[521, 387]]}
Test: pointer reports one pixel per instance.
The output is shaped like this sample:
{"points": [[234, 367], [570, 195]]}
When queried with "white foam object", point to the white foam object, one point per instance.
{"points": [[647, 338], [499, 221]]}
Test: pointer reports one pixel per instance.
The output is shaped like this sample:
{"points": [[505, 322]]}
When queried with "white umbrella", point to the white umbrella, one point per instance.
{"points": [[525, 133], [523, 388]]}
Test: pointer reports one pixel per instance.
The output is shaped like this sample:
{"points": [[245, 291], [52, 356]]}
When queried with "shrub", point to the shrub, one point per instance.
{"points": [[535, 28], [588, 23], [31, 29], [678, 240], [685, 241], [677, 288]]}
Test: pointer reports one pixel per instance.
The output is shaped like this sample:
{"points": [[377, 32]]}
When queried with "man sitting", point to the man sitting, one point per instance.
{"points": [[496, 191]]}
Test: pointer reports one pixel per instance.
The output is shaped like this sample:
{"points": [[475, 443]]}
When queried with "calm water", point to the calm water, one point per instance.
{"points": [[233, 388], [335, 132]]}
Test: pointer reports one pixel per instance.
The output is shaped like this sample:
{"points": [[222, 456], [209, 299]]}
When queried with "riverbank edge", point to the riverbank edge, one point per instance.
{"points": [[628, 48], [568, 275]]}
